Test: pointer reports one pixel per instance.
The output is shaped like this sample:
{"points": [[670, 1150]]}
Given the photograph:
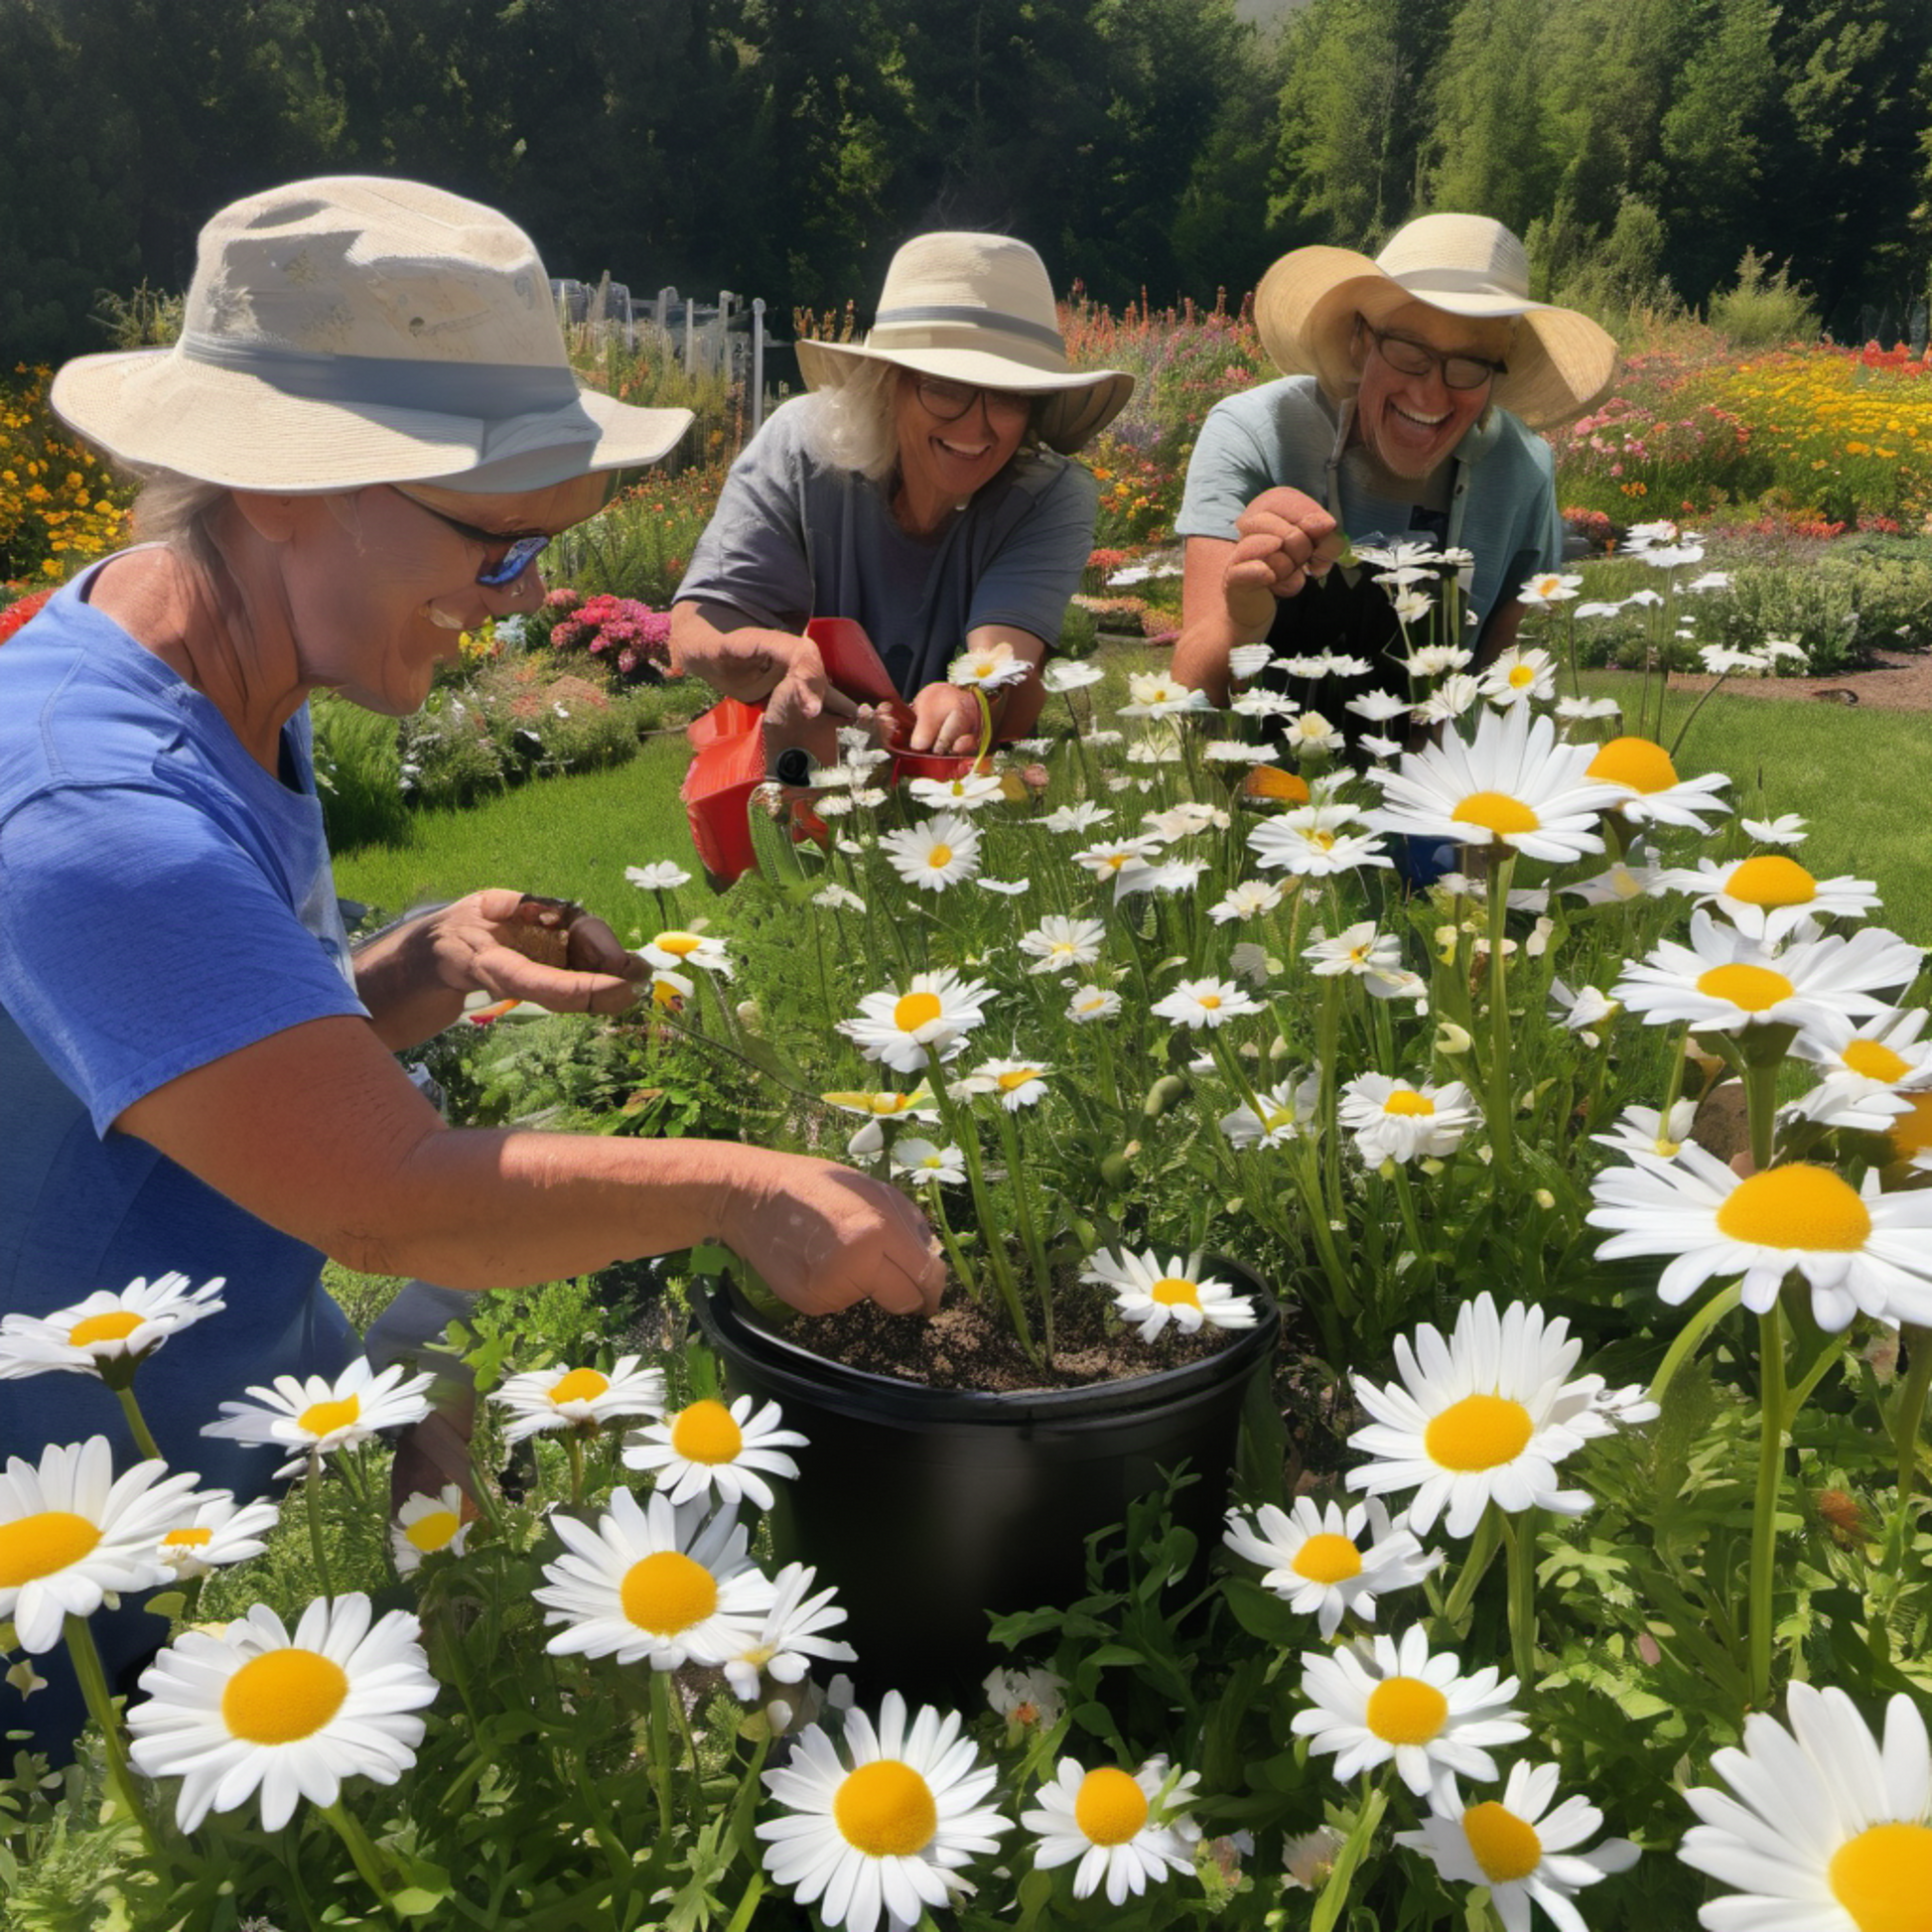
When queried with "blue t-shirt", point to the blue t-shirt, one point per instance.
{"points": [[164, 902], [793, 539]]}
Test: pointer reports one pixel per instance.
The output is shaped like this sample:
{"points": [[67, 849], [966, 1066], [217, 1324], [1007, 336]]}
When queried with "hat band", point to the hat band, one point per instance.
{"points": [[1032, 331], [1457, 281], [491, 391]]}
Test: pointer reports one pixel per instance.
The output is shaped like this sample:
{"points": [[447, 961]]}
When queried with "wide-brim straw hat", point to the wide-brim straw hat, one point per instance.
{"points": [[978, 309], [1558, 361], [351, 331]]}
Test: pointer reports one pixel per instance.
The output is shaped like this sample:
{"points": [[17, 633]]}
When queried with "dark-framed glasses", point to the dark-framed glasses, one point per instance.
{"points": [[1408, 357], [951, 400], [510, 555]]}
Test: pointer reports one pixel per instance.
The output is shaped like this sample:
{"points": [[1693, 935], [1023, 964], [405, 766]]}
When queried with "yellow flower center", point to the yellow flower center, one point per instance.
{"points": [[1209, 1002], [705, 1433], [1327, 1559], [1481, 1432], [1772, 879], [1501, 1843], [580, 1385], [116, 1325], [192, 1537], [1018, 1078], [1497, 812], [1750, 989], [1884, 1878], [31, 1547], [283, 1695], [668, 1593], [885, 1810], [1110, 1807], [1797, 1206], [1520, 675], [664, 994], [1402, 1101], [939, 858], [1061, 949], [433, 1530], [1406, 1711], [1170, 1290], [679, 944], [916, 1009], [1637, 763], [1874, 1061], [325, 1417], [1911, 1133], [1322, 841]]}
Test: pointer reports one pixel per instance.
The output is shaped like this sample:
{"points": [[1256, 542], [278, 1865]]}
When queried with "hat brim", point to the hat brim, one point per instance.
{"points": [[1560, 361], [1084, 401], [154, 409]]}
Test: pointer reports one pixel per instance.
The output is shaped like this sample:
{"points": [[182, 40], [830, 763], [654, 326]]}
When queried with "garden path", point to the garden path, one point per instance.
{"points": [[1899, 681]]}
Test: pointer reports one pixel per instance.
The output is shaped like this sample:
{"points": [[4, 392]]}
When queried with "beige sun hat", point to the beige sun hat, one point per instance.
{"points": [[978, 309], [352, 331], [1558, 361]]}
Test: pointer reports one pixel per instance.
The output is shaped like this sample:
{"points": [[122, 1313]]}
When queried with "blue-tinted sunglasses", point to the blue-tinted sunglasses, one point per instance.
{"points": [[518, 553]]}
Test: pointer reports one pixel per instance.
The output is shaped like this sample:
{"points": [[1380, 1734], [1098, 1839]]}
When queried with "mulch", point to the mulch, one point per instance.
{"points": [[1899, 681]]}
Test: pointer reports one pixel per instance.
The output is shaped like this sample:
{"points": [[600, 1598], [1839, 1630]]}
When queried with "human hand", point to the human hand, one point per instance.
{"points": [[946, 721], [1284, 538], [823, 1237], [800, 693], [520, 947]]}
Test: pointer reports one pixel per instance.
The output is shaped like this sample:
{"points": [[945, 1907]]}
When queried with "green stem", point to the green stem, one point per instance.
{"points": [[1502, 1125], [363, 1852], [138, 1424], [661, 1752], [1762, 1107], [1483, 1550], [574, 1448], [1910, 1418], [1520, 1544], [955, 1256], [1764, 1506], [1691, 1337], [1028, 1228], [93, 1678], [311, 1498], [1334, 1894], [964, 1131], [753, 1891], [1405, 1194]]}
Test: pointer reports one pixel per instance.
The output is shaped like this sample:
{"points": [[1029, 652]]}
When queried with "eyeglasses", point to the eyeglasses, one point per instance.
{"points": [[951, 400], [515, 554], [1410, 358]]}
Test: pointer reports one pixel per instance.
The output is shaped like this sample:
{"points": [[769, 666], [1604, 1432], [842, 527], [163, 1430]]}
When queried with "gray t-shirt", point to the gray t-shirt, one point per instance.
{"points": [[793, 539]]}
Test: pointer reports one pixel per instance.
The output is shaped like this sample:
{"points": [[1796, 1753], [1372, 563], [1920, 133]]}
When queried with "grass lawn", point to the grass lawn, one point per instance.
{"points": [[1852, 772]]}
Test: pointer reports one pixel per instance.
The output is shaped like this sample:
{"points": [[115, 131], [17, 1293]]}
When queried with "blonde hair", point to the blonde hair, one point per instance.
{"points": [[854, 425]]}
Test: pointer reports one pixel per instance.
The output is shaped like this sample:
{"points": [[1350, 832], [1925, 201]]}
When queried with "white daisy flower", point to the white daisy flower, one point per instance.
{"points": [[880, 1832], [1285, 1110], [1652, 792], [1724, 981], [1769, 896], [1513, 784], [1580, 709], [427, 1526], [1550, 586], [1518, 676], [1788, 828], [1860, 1249], [1103, 740], [1118, 1824], [1311, 732], [1519, 1848], [1437, 661], [1357, 950], [1378, 747], [1081, 818], [927, 1022], [1623, 881], [1172, 876], [1233, 750], [1247, 901], [1189, 816], [543, 1399], [1587, 1007], [925, 1161], [966, 793], [1151, 694], [1092, 1003], [1263, 704], [1329, 1562], [1248, 661], [315, 1417], [1150, 1296], [1314, 841], [253, 1708], [1029, 1700], [654, 1582], [1387, 1698], [1644, 1130], [1109, 861], [1252, 963], [917, 1105], [660, 875], [1067, 674], [838, 898], [791, 1636], [1482, 1416], [1412, 605], [678, 951], [1204, 1003], [1831, 1831], [1018, 1083], [937, 853], [110, 1332], [1395, 1120], [1058, 944], [987, 667], [1865, 1068], [706, 1449], [209, 1530], [1450, 700], [71, 1533], [1378, 707]]}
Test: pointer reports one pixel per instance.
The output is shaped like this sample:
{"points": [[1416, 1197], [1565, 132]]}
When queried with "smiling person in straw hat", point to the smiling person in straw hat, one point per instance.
{"points": [[922, 488], [1413, 384], [366, 435]]}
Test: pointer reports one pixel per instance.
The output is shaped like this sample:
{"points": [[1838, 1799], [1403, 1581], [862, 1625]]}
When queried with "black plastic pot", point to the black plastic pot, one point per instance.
{"points": [[928, 1508]]}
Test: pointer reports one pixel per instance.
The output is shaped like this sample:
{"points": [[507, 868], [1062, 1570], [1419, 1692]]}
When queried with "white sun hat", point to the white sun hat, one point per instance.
{"points": [[978, 309], [1558, 361], [351, 331]]}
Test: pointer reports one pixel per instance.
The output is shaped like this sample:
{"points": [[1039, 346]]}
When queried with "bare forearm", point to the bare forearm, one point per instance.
{"points": [[396, 982], [737, 658]]}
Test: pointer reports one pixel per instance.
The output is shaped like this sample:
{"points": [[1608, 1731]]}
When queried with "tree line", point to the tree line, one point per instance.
{"points": [[785, 147]]}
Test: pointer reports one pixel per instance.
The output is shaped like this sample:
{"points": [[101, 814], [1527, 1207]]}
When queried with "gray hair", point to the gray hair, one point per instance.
{"points": [[179, 511], [855, 425]]}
